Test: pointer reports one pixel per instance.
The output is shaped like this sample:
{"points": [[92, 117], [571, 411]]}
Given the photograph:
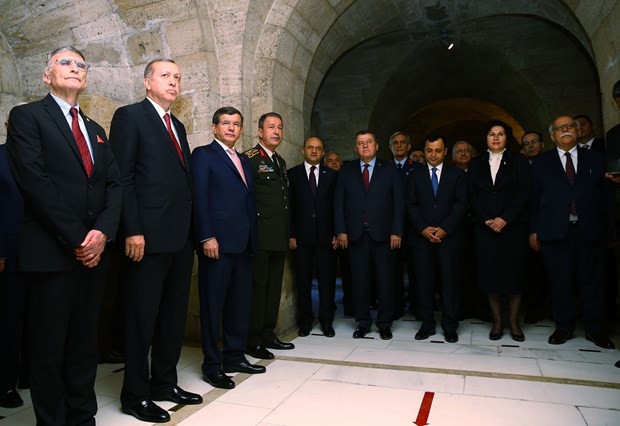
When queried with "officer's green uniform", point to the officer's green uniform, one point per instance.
{"points": [[271, 190]]}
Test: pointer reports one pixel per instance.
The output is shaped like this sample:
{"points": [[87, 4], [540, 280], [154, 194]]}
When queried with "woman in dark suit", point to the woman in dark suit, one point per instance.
{"points": [[498, 183]]}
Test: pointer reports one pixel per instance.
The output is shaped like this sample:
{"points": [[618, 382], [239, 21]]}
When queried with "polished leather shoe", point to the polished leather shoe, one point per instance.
{"points": [[259, 352], [424, 334], [360, 332], [496, 336], [279, 345], [112, 357], [560, 337], [385, 333], [218, 379], [178, 396], [328, 330], [244, 367], [451, 336], [11, 399], [600, 340], [303, 332], [148, 411]]}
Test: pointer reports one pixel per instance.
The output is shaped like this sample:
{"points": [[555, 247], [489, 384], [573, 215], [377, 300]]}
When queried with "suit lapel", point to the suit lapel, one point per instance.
{"points": [[162, 131], [56, 113], [376, 173], [225, 157]]}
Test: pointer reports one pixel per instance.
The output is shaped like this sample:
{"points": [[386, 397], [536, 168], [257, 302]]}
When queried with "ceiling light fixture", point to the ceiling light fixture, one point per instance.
{"points": [[446, 40]]}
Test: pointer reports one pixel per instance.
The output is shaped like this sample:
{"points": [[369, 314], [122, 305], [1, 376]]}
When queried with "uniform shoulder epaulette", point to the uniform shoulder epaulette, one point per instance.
{"points": [[252, 152]]}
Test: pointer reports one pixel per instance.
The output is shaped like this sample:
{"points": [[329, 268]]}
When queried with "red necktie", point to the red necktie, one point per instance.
{"points": [[366, 178], [81, 142], [175, 142]]}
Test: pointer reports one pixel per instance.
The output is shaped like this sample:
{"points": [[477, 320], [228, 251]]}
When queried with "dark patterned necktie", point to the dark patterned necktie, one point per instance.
{"points": [[312, 181], [571, 175]]}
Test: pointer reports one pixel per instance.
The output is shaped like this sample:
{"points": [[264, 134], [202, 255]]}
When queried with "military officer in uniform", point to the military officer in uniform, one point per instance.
{"points": [[271, 187]]}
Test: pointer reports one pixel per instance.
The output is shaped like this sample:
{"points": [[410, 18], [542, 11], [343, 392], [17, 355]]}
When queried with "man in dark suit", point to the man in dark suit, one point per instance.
{"points": [[369, 220], [400, 145], [12, 285], [587, 139], [65, 169], [334, 162], [436, 205], [568, 224], [271, 186], [226, 229], [311, 197], [151, 148]]}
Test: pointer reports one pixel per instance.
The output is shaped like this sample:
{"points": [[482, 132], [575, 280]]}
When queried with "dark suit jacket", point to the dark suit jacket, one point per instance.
{"points": [[446, 210], [508, 197], [271, 200], [61, 203], [312, 219], [552, 194], [382, 206], [11, 213], [157, 188], [225, 207], [598, 145]]}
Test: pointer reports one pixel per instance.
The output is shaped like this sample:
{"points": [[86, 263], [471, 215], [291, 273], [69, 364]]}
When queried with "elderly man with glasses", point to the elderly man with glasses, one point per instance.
{"points": [[568, 225], [64, 167]]}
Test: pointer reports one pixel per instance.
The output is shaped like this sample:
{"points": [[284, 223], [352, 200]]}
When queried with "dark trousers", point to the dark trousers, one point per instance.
{"points": [[309, 258], [13, 291], [399, 279], [156, 308], [225, 286], [64, 310], [571, 261], [537, 290], [446, 260], [366, 255], [344, 265], [267, 272]]}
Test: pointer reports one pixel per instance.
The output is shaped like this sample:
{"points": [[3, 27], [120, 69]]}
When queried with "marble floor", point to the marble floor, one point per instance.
{"points": [[342, 381]]}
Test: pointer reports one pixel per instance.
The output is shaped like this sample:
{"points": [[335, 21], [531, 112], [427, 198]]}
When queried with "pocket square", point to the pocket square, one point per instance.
{"points": [[99, 140]]}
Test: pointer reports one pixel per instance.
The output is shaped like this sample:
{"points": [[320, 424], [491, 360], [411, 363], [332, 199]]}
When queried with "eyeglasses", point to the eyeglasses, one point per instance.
{"points": [[532, 142], [463, 150], [566, 126], [66, 62]]}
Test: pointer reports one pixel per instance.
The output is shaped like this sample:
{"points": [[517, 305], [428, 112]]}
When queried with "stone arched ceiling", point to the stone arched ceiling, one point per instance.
{"points": [[383, 60]]}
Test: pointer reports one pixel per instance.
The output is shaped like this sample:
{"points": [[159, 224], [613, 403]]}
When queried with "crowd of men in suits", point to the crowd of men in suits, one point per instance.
{"points": [[141, 195]]}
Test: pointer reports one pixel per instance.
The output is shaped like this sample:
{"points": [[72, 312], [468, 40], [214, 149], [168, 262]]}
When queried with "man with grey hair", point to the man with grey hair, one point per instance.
{"points": [[462, 153], [150, 145], [65, 169], [568, 224]]}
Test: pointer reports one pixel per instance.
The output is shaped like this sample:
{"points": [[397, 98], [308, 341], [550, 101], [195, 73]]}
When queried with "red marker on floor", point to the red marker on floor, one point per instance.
{"points": [[425, 409]]}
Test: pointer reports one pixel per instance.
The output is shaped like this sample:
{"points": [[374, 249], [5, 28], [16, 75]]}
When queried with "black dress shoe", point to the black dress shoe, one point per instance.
{"points": [[618, 364], [451, 336], [303, 332], [112, 357], [517, 335], [360, 332], [424, 334], [328, 330], [497, 332], [148, 411], [385, 333], [600, 340], [560, 337], [11, 399], [259, 352], [178, 396], [279, 345], [219, 380], [244, 367]]}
